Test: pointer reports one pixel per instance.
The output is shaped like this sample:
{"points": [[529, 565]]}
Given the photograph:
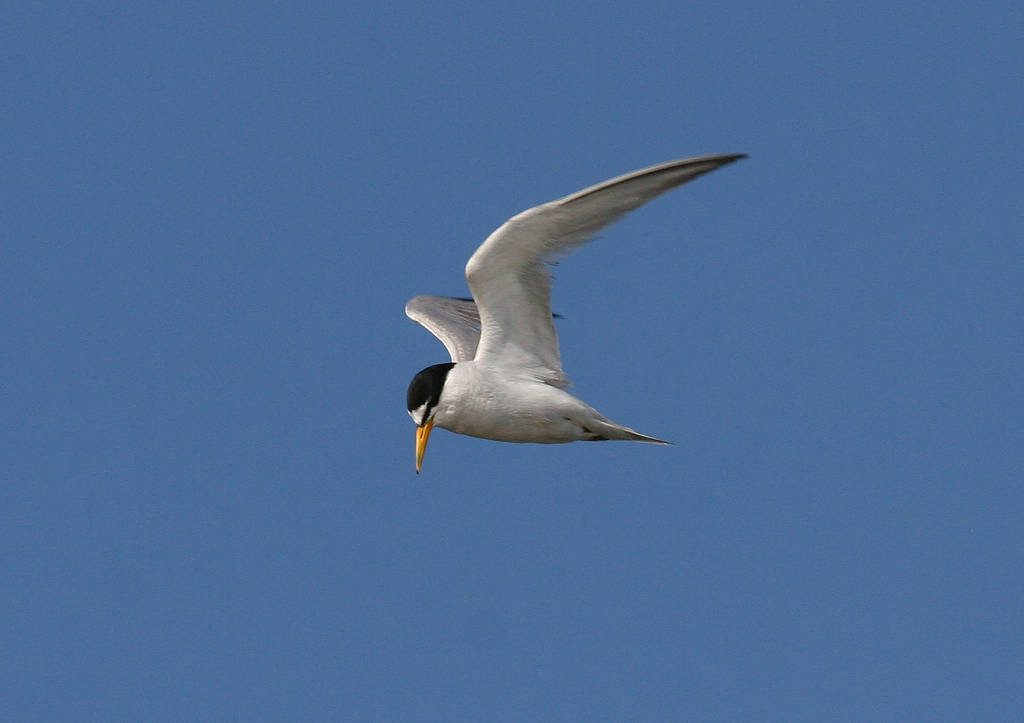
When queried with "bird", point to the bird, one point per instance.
{"points": [[505, 380]]}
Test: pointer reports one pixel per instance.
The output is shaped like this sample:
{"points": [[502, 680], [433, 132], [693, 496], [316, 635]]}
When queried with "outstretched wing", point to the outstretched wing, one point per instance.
{"points": [[455, 322], [509, 274]]}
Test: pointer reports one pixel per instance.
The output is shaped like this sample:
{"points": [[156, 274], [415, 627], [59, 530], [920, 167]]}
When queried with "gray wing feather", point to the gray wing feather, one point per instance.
{"points": [[509, 274], [456, 322]]}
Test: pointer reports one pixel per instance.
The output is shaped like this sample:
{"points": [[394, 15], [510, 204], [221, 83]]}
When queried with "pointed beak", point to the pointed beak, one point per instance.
{"points": [[422, 435]]}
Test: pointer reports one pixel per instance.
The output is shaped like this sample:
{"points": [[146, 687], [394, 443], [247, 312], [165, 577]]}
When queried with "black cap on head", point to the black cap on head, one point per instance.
{"points": [[425, 391]]}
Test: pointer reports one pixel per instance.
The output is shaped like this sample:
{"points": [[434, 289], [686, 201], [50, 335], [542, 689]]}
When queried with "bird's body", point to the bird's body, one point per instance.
{"points": [[496, 403], [505, 381]]}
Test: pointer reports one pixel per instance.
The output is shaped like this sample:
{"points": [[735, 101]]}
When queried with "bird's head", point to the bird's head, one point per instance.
{"points": [[422, 399]]}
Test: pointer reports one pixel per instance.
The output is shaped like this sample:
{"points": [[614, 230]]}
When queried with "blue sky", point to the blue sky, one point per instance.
{"points": [[213, 216]]}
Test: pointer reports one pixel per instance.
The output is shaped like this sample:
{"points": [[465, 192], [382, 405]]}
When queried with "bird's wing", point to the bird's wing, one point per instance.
{"points": [[456, 322], [509, 274]]}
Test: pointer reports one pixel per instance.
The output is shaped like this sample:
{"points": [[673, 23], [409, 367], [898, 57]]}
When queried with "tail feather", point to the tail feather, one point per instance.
{"points": [[608, 430], [637, 437]]}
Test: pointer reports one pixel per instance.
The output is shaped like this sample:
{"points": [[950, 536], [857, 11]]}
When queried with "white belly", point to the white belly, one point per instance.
{"points": [[480, 403]]}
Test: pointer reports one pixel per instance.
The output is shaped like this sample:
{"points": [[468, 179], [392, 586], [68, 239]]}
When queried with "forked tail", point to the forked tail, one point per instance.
{"points": [[606, 429]]}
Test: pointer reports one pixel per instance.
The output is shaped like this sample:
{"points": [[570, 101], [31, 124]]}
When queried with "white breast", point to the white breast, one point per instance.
{"points": [[485, 402]]}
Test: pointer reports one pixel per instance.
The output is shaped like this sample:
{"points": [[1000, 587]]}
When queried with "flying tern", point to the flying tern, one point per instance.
{"points": [[505, 380]]}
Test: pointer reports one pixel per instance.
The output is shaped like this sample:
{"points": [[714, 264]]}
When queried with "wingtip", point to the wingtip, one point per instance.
{"points": [[716, 162]]}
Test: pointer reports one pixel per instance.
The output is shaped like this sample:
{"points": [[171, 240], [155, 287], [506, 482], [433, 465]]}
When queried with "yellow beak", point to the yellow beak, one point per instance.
{"points": [[422, 435]]}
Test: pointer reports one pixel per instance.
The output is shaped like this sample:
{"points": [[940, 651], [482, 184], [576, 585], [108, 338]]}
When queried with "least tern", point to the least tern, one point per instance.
{"points": [[505, 380]]}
